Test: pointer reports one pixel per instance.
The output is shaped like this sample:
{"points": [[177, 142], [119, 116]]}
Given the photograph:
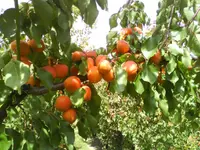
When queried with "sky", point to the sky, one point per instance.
{"points": [[102, 26]]}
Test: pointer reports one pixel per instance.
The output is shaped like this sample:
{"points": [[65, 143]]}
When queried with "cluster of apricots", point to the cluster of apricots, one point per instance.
{"points": [[98, 67], [131, 67]]}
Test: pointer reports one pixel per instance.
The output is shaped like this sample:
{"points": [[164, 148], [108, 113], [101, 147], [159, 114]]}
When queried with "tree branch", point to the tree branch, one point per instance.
{"points": [[188, 24], [18, 29], [168, 28], [44, 90]]}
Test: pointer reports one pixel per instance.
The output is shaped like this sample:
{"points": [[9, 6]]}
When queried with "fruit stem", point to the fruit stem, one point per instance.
{"points": [[18, 29]]}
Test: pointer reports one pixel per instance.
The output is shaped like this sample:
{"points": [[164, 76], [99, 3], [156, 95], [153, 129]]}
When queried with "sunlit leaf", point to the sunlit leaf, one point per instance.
{"points": [[77, 97], [113, 21], [120, 80], [150, 73], [150, 46], [175, 49], [45, 77], [16, 74], [91, 13]]}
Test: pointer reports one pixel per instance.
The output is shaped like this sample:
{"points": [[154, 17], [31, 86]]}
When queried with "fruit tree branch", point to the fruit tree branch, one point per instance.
{"points": [[14, 99], [44, 90], [18, 29], [196, 13], [168, 28]]}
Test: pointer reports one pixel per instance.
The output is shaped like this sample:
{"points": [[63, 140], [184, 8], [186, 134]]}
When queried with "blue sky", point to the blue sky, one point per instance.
{"points": [[102, 27]]}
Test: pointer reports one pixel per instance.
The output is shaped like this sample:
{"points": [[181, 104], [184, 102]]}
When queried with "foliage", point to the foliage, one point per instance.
{"points": [[150, 103]]}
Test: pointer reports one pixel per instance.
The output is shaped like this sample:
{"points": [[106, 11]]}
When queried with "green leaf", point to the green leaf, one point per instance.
{"points": [[1, 63], [83, 5], [36, 33], [150, 46], [63, 20], [150, 73], [91, 13], [63, 36], [173, 77], [44, 11], [175, 49], [131, 16], [194, 44], [179, 35], [5, 57], [111, 34], [68, 131], [171, 66], [92, 122], [45, 77], [139, 88], [186, 59], [95, 102], [188, 13], [55, 138], [4, 90], [113, 21], [29, 136], [77, 98], [176, 116], [103, 4], [82, 130], [163, 104], [7, 22], [120, 81], [16, 74], [149, 101], [83, 67], [16, 136], [4, 142], [183, 4]]}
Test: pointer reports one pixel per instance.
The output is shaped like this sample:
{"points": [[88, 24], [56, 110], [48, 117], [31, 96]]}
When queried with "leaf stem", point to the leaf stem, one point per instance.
{"points": [[18, 29]]}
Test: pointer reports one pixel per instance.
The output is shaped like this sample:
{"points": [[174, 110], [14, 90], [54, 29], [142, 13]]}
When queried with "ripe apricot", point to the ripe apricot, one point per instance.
{"points": [[32, 43], [94, 75], [92, 54], [70, 115], [77, 55], [33, 81], [51, 70], [61, 70], [90, 63], [99, 59], [130, 67], [138, 30], [72, 83], [122, 47], [156, 58], [24, 47], [88, 93], [131, 77], [74, 70], [109, 76], [126, 31], [26, 61], [63, 103], [104, 66], [23, 59]]}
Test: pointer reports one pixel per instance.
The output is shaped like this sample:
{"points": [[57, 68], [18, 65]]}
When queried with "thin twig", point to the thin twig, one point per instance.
{"points": [[18, 29], [188, 24], [168, 28]]}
